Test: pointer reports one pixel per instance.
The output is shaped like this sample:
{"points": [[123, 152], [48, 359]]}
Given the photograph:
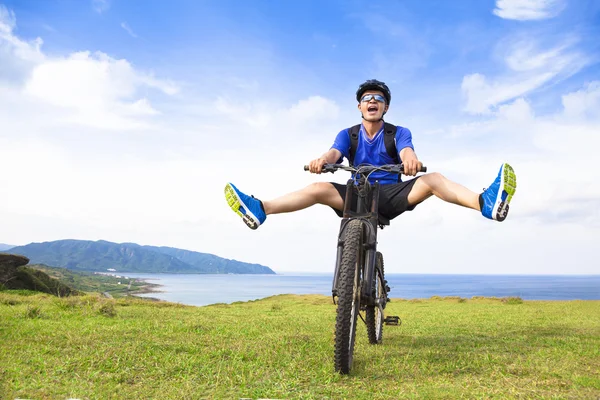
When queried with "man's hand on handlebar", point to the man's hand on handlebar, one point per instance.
{"points": [[412, 166], [316, 166]]}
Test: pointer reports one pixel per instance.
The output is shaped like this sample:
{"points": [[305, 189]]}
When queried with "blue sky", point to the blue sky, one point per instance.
{"points": [[133, 116], [292, 49]]}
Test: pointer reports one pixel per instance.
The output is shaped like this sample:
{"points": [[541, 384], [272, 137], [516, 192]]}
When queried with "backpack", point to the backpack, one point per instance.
{"points": [[389, 138]]}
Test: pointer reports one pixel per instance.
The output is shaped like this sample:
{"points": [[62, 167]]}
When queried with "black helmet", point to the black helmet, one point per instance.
{"points": [[374, 84]]}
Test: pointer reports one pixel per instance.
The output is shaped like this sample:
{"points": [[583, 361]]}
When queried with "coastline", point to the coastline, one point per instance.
{"points": [[147, 287]]}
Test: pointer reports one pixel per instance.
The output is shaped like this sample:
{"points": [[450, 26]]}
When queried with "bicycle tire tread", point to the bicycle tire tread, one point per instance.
{"points": [[370, 313], [343, 352]]}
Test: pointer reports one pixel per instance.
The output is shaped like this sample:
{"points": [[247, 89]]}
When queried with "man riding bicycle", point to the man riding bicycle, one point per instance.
{"points": [[369, 143]]}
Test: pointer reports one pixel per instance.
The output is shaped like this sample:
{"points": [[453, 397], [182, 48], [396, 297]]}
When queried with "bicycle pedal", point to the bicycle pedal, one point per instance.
{"points": [[392, 320]]}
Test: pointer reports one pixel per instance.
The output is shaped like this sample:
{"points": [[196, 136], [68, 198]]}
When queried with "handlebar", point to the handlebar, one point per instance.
{"points": [[366, 168]]}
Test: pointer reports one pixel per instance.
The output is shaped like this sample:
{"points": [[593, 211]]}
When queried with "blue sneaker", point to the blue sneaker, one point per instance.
{"points": [[247, 207], [495, 199]]}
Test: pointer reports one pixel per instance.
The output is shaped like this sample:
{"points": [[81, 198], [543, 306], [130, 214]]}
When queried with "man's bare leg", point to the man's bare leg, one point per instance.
{"points": [[315, 193], [435, 184]]}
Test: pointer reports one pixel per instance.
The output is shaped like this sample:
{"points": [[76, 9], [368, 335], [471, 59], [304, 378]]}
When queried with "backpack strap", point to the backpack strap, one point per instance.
{"points": [[389, 139], [353, 134]]}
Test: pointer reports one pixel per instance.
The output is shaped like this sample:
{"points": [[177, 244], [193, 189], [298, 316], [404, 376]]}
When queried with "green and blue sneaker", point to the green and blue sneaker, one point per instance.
{"points": [[247, 207], [495, 199]]}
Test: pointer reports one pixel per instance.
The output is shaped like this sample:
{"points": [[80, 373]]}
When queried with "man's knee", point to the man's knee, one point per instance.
{"points": [[320, 188], [426, 185], [431, 180], [323, 192]]}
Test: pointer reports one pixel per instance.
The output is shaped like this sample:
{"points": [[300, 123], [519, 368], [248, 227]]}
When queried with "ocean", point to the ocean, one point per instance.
{"points": [[201, 290]]}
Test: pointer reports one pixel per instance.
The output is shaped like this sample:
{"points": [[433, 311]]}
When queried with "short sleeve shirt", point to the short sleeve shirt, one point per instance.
{"points": [[373, 151]]}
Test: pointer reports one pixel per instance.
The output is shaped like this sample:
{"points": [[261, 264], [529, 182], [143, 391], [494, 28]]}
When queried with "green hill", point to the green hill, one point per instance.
{"points": [[94, 282], [83, 255], [15, 274]]}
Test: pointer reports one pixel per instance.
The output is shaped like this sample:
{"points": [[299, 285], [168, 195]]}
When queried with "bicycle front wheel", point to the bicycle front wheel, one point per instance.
{"points": [[349, 284], [374, 314]]}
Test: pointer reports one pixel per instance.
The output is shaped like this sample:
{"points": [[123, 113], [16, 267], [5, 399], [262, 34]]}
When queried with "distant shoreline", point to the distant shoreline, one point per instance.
{"points": [[148, 287], [200, 290]]}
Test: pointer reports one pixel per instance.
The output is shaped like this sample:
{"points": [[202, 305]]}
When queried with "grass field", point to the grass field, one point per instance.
{"points": [[282, 347]]}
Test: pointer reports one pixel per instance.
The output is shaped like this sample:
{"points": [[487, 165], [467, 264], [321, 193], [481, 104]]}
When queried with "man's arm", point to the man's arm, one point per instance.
{"points": [[412, 165], [329, 157]]}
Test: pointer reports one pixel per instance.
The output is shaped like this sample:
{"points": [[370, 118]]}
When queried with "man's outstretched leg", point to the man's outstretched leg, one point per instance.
{"points": [[493, 202], [254, 212]]}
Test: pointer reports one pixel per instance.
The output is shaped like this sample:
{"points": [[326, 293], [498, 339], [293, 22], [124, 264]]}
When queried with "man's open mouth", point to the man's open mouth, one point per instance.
{"points": [[372, 109]]}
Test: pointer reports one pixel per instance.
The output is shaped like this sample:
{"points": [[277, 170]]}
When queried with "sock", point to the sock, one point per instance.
{"points": [[480, 202], [263, 207]]}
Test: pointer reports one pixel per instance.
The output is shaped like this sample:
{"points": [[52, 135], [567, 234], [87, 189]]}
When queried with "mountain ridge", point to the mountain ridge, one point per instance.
{"points": [[102, 255]]}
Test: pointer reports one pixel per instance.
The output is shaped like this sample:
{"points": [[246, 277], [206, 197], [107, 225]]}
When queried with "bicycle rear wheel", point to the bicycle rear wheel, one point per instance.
{"points": [[374, 314], [349, 283]]}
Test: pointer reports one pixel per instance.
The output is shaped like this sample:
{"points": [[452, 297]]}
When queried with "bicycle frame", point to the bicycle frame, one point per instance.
{"points": [[367, 194]]}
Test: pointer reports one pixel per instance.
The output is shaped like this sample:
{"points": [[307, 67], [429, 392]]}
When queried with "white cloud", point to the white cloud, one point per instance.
{"points": [[554, 156], [525, 55], [87, 89], [100, 6], [128, 30], [584, 102], [8, 21], [315, 108], [17, 56], [95, 89], [528, 68], [528, 9], [519, 111], [270, 117], [482, 95]]}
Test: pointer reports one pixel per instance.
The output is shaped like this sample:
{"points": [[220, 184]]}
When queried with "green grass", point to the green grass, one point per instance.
{"points": [[281, 347]]}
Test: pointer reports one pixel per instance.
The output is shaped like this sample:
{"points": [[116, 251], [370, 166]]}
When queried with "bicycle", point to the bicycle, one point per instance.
{"points": [[359, 282]]}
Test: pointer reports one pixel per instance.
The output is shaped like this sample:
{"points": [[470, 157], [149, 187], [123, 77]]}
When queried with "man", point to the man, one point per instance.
{"points": [[371, 147]]}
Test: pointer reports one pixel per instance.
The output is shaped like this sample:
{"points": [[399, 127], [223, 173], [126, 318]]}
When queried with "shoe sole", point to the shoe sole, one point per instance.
{"points": [[508, 187], [238, 207]]}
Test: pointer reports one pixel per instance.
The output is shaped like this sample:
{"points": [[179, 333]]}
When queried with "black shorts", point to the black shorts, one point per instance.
{"points": [[393, 198]]}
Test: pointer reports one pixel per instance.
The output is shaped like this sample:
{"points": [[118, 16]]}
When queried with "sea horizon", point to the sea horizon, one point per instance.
{"points": [[420, 273], [205, 289]]}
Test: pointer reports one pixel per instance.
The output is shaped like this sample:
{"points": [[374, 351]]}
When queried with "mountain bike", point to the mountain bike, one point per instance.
{"points": [[359, 282]]}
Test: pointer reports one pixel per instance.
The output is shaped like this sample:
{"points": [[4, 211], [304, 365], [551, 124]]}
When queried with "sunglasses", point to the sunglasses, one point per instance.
{"points": [[369, 97]]}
